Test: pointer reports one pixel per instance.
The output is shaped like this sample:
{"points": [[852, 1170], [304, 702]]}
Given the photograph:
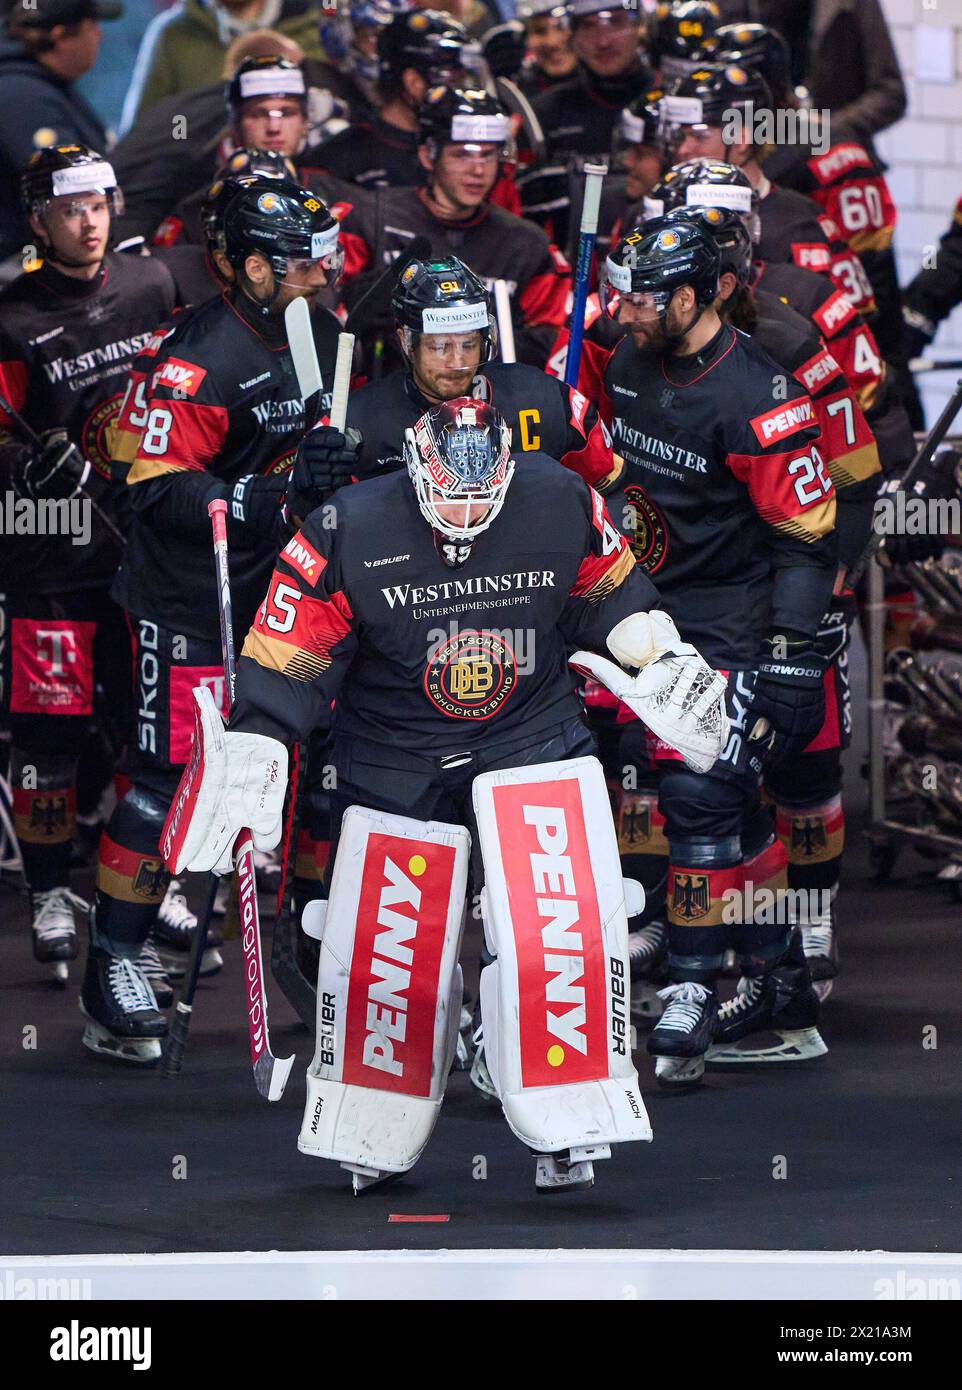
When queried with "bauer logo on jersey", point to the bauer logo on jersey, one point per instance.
{"points": [[783, 421], [562, 998], [180, 376], [396, 961], [471, 675], [304, 558]]}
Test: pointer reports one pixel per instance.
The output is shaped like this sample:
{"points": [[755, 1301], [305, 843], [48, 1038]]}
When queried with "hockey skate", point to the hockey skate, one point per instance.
{"points": [[820, 946], [683, 1034], [122, 1016], [782, 1003], [480, 1076], [55, 930], [174, 931], [647, 959], [152, 969], [570, 1169]]}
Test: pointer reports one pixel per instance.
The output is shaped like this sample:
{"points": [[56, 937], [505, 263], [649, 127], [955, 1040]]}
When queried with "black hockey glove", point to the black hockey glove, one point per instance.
{"points": [[55, 470], [256, 502], [326, 460], [788, 704], [933, 483]]}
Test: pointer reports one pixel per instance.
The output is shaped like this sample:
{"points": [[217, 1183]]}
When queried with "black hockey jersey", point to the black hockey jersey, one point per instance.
{"points": [[65, 347], [733, 507], [438, 659], [544, 415], [221, 404], [370, 153]]}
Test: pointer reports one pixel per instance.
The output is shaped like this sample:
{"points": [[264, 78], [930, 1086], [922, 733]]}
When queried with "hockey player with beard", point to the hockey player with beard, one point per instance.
{"points": [[68, 331], [220, 415], [415, 52], [462, 146], [449, 340], [735, 523], [347, 639], [807, 793]]}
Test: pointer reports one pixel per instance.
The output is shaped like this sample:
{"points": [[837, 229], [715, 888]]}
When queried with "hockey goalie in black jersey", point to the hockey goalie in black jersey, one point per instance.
{"points": [[438, 654]]}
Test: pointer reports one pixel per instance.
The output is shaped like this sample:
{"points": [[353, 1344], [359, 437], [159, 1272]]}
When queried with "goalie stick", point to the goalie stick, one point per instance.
{"points": [[270, 1072]]}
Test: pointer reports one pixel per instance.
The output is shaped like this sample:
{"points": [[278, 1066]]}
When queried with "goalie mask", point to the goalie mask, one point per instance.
{"points": [[458, 456]]}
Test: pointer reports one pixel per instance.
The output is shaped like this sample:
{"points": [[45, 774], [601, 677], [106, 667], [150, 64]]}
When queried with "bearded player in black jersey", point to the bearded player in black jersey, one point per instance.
{"points": [[219, 414], [400, 637], [735, 518], [68, 331]]}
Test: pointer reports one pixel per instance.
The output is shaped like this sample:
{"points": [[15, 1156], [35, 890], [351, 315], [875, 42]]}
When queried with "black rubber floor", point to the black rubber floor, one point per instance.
{"points": [[868, 1138]]}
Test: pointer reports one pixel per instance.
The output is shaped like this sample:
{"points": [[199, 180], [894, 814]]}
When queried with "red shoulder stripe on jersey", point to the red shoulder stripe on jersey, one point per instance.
{"points": [[544, 299], [13, 383], [179, 436], [790, 491], [302, 557], [295, 633]]}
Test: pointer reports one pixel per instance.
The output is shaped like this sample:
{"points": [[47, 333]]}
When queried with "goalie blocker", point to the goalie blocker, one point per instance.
{"points": [[555, 1001]]}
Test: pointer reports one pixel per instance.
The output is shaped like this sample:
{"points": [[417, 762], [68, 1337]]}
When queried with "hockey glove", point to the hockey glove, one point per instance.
{"points": [[234, 781], [256, 502], [676, 693], [931, 484], [326, 460], [788, 704], [56, 470]]}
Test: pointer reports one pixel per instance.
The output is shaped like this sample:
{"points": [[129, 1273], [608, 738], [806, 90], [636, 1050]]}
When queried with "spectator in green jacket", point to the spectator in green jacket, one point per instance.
{"points": [[183, 48]]}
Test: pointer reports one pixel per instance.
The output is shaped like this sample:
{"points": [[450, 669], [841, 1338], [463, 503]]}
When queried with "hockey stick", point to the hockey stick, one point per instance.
{"points": [[375, 299], [931, 364], [31, 436], [502, 310], [925, 455], [307, 369], [177, 1041], [270, 1072], [594, 177]]}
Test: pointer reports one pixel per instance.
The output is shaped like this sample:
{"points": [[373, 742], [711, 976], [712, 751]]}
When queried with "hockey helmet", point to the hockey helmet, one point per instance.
{"points": [[444, 296], [65, 171], [454, 115], [266, 76], [458, 456], [707, 97], [729, 234], [280, 221], [706, 183], [434, 44], [683, 37], [656, 259], [760, 47]]}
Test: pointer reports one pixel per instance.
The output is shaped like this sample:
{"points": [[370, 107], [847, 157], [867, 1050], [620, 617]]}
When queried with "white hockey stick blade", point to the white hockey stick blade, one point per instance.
{"points": [[502, 310], [342, 380], [300, 339]]}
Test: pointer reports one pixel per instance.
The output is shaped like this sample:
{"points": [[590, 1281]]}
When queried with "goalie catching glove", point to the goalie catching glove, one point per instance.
{"points": [[233, 782], [675, 692]]}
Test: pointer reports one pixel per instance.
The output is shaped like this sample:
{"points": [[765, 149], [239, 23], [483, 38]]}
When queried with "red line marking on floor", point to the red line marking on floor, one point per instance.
{"points": [[402, 1216]]}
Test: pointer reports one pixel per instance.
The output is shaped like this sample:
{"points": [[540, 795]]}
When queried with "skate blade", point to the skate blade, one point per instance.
{"points": [[823, 988], [145, 1051], [673, 1073], [794, 1045], [175, 962], [364, 1178], [59, 973]]}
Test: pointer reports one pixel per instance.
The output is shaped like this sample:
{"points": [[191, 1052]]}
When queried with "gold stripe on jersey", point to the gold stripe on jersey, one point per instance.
{"points": [[855, 466], [142, 470], [275, 655]]}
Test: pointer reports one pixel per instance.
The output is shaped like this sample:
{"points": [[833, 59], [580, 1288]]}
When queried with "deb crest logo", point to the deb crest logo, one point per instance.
{"points": [[398, 942], [557, 932]]}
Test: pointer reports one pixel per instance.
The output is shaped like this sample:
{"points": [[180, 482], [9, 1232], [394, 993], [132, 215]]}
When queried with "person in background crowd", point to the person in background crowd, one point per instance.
{"points": [[43, 50]]}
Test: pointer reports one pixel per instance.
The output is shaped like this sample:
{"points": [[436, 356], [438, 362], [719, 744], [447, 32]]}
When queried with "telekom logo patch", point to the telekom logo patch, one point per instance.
{"points": [[557, 932], [52, 666], [398, 941]]}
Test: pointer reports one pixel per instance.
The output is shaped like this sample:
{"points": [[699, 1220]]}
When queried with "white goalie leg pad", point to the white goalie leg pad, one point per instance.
{"points": [[388, 990], [555, 1004]]}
